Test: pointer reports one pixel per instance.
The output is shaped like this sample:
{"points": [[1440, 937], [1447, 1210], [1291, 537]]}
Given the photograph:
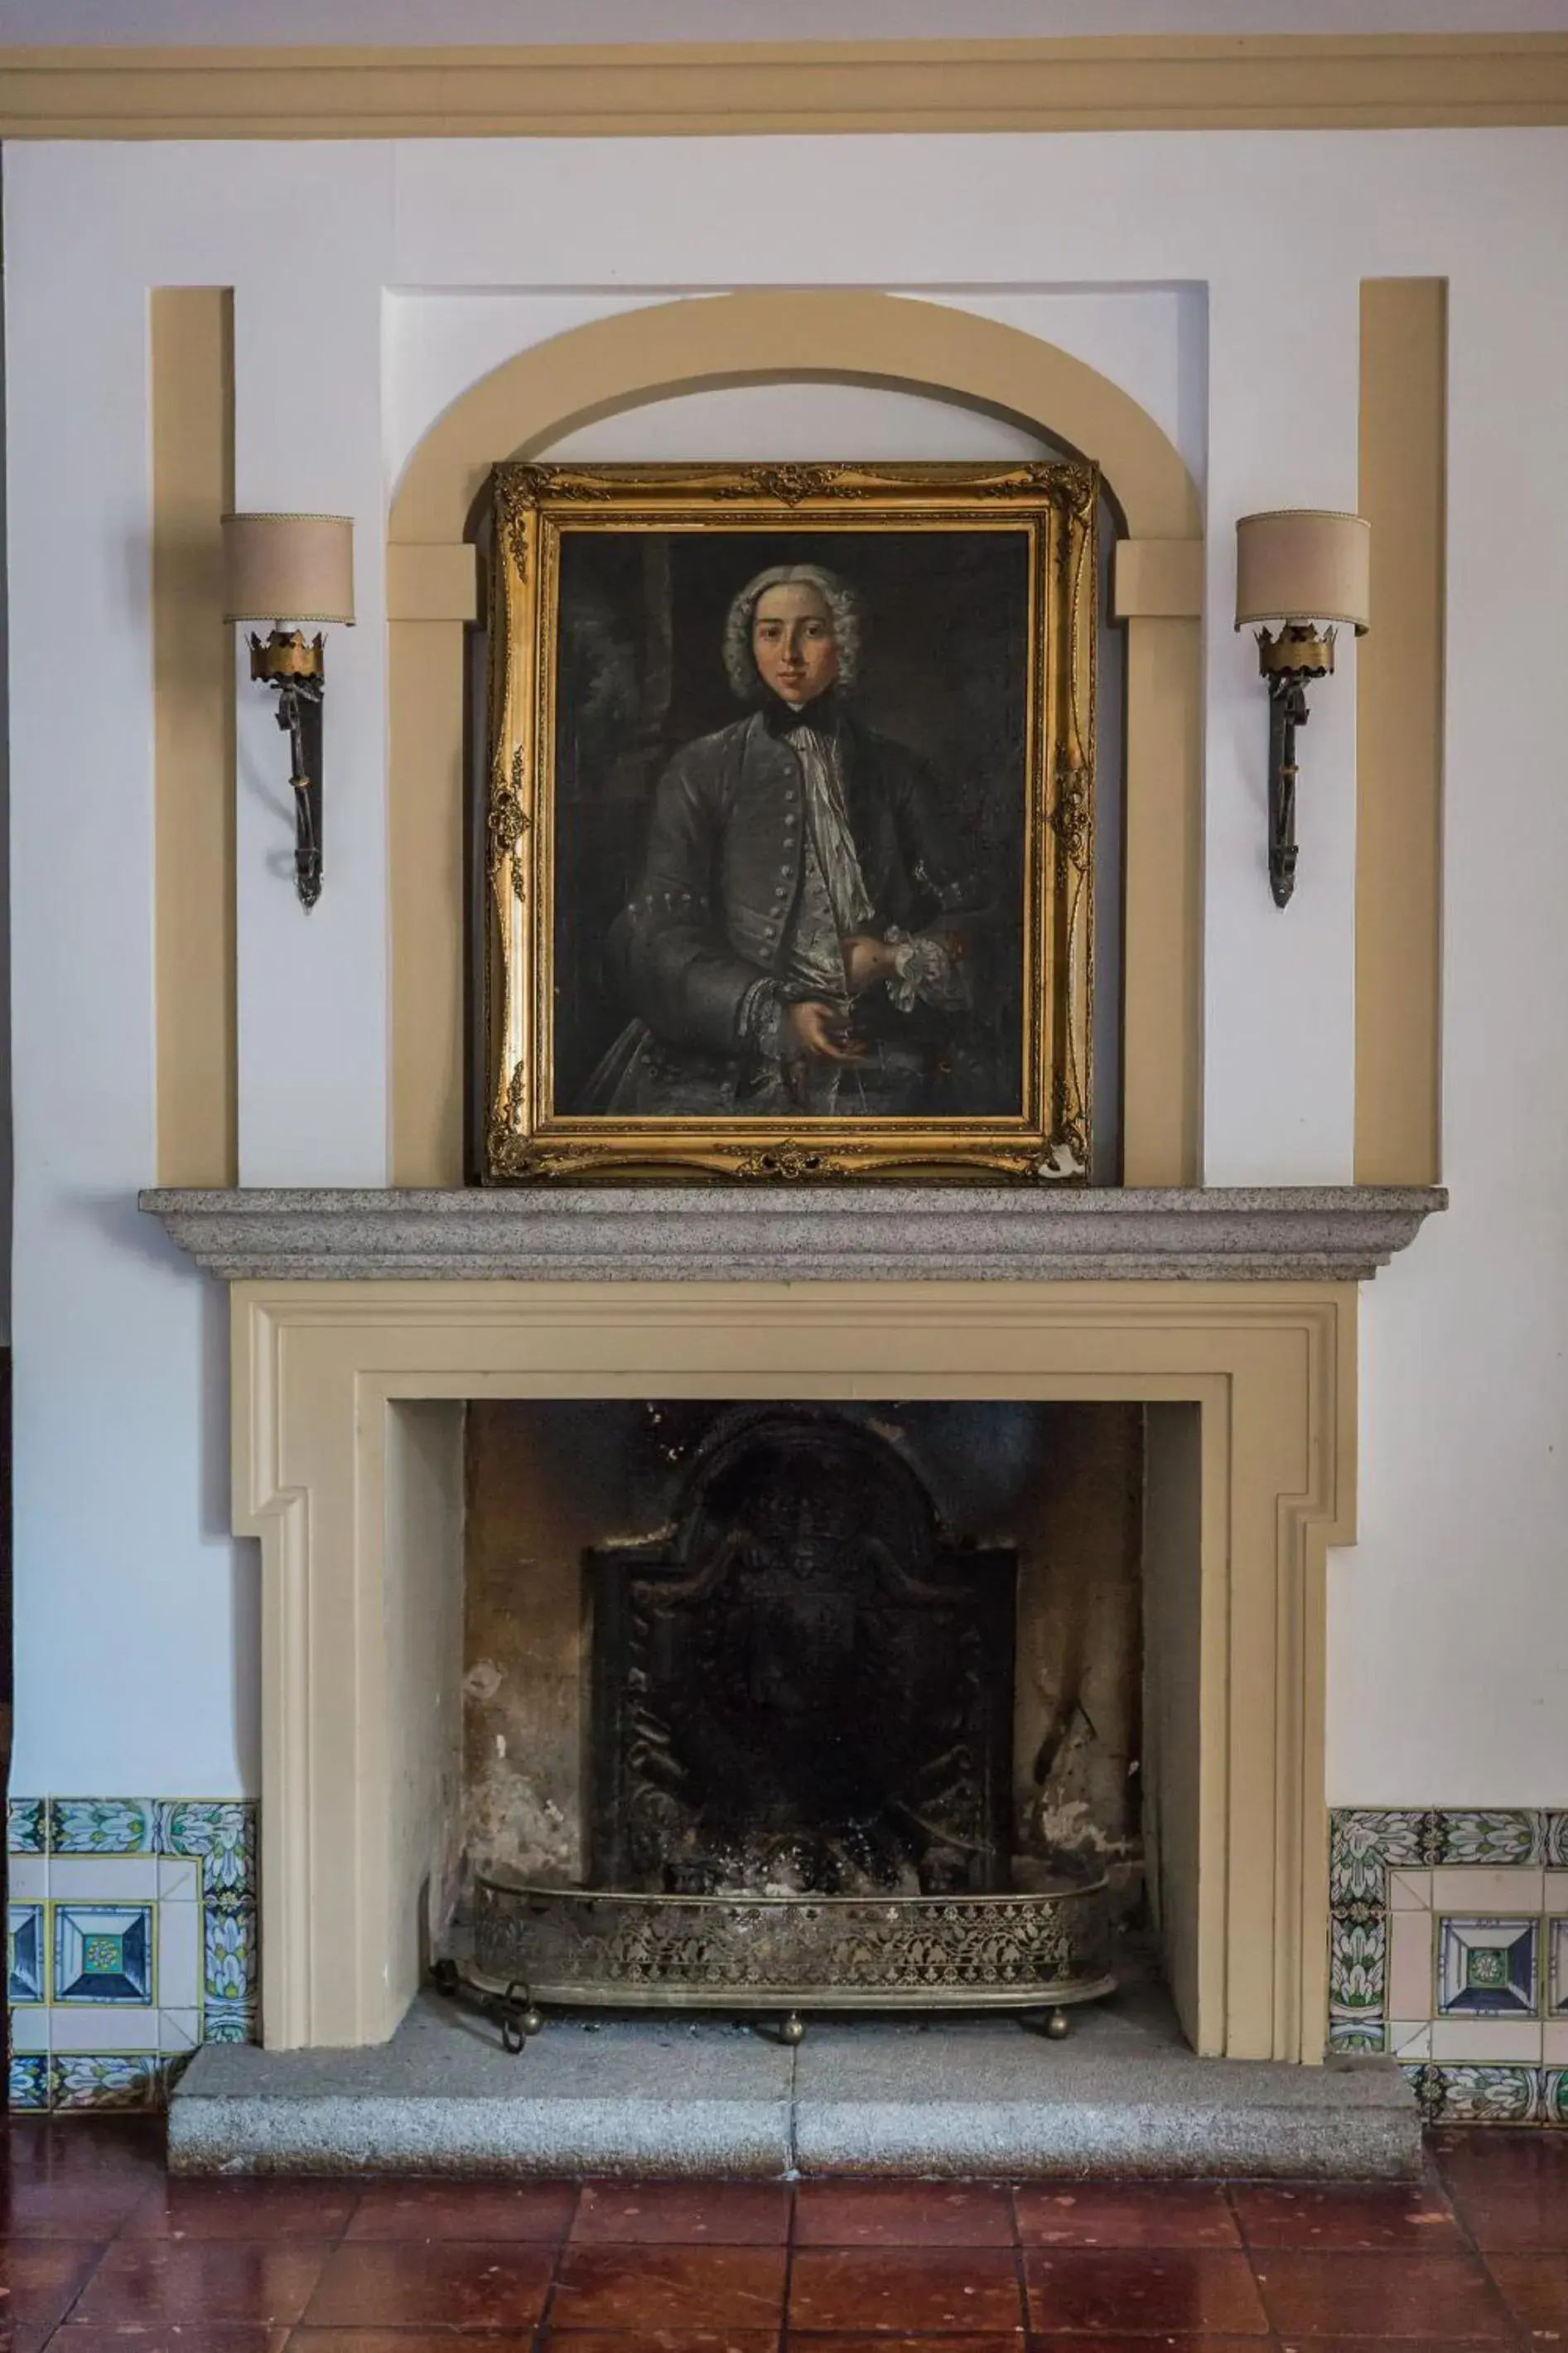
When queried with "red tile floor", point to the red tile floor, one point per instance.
{"points": [[101, 2252]]}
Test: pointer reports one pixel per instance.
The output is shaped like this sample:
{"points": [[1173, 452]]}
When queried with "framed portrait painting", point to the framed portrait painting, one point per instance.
{"points": [[790, 818]]}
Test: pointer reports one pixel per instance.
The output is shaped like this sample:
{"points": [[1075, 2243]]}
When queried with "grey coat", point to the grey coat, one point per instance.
{"points": [[711, 915]]}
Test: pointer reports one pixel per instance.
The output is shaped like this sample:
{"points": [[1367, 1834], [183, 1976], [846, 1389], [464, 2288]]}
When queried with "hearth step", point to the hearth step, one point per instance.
{"points": [[956, 2097]]}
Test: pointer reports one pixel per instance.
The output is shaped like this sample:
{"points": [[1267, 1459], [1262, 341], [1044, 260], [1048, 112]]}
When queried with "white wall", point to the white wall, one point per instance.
{"points": [[1157, 258]]}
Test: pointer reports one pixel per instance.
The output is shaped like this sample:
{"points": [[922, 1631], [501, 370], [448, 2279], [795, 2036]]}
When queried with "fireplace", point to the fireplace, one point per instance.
{"points": [[366, 1326]]}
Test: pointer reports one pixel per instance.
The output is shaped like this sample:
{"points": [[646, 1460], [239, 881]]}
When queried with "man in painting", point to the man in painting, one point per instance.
{"points": [[802, 938]]}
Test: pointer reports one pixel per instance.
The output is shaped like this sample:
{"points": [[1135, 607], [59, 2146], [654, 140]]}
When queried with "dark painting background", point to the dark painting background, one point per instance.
{"points": [[943, 670]]}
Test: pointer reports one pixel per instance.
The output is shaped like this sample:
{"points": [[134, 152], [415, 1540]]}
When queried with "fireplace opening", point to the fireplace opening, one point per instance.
{"points": [[805, 1686], [853, 1691]]}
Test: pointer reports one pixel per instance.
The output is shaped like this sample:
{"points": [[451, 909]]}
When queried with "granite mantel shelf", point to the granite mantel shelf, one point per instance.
{"points": [[1335, 1233]]}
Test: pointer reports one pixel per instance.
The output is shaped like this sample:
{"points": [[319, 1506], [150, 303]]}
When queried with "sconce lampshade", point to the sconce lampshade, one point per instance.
{"points": [[1302, 564], [289, 567]]}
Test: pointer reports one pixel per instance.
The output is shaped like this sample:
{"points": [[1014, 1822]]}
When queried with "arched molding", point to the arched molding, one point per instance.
{"points": [[710, 342]]}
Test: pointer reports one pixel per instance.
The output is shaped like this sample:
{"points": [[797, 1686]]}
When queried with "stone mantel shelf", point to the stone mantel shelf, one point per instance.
{"points": [[1335, 1233]]}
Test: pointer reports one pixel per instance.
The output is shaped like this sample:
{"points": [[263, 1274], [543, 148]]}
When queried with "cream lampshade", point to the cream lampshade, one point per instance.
{"points": [[1301, 563], [289, 567]]}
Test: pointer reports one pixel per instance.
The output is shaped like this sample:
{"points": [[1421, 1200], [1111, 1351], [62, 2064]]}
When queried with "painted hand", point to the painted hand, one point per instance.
{"points": [[815, 1031]]}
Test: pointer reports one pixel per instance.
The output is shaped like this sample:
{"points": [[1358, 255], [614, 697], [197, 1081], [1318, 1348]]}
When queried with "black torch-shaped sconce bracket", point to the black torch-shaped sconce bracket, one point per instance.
{"points": [[296, 666], [1299, 653]]}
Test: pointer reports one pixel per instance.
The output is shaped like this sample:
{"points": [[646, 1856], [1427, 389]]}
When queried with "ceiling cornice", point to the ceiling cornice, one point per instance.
{"points": [[1129, 83]]}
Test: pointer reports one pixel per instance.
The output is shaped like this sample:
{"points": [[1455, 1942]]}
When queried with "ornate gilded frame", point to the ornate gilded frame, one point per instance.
{"points": [[525, 1138]]}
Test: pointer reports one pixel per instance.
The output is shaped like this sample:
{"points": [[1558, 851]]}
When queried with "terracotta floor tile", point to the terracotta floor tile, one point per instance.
{"points": [[661, 2340], [1125, 2214], [70, 2205], [1535, 2290], [147, 2283], [1346, 2215], [407, 2340], [705, 2213], [243, 2210], [1159, 2341], [57, 2144], [429, 2285], [493, 2210], [1369, 2345], [41, 2278], [645, 2287], [902, 2214], [915, 2289], [1001, 2340], [1141, 2289], [173, 2337], [1523, 2216], [1433, 2297], [1499, 2154]]}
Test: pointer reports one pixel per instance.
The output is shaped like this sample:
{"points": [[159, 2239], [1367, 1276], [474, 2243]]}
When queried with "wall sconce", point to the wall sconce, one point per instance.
{"points": [[1304, 569], [294, 567]]}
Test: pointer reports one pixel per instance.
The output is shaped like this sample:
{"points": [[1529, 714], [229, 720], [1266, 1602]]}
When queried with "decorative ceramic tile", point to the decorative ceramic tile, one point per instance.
{"points": [[101, 1825], [26, 1823], [230, 2022], [29, 2082], [1487, 1887], [1477, 2096], [1462, 1913], [27, 1878], [109, 2027], [103, 1952], [25, 1946], [229, 1952], [155, 1908], [117, 2079], [180, 1955], [1357, 1965], [103, 1878], [221, 1832], [1487, 1967], [1468, 2041], [1408, 1984], [1557, 1968], [1516, 1836]]}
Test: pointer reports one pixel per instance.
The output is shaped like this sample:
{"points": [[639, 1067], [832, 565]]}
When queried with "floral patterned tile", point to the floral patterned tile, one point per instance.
{"points": [[101, 1825], [26, 1826], [29, 2081], [109, 2079]]}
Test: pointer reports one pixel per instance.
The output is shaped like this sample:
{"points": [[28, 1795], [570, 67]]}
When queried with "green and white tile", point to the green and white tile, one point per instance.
{"points": [[26, 1826], [101, 1825], [177, 1877]]}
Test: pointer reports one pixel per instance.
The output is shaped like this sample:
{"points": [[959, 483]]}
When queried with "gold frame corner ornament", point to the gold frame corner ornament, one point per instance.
{"points": [[526, 1140]]}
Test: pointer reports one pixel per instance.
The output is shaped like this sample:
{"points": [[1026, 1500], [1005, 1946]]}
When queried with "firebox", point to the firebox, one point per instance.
{"points": [[800, 1728], [807, 1687]]}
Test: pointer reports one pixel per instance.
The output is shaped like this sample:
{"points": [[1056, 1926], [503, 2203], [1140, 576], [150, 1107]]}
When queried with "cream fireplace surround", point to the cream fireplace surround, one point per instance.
{"points": [[362, 1323]]}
